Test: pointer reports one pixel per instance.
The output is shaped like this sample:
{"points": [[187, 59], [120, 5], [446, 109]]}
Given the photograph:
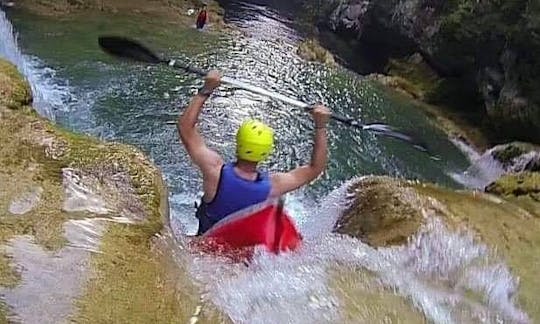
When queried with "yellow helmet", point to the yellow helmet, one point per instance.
{"points": [[254, 141]]}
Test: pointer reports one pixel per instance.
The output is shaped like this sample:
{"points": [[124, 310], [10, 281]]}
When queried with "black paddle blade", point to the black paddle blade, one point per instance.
{"points": [[388, 131], [127, 49]]}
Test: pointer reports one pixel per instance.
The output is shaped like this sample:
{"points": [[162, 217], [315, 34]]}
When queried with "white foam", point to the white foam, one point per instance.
{"points": [[434, 272], [484, 169]]}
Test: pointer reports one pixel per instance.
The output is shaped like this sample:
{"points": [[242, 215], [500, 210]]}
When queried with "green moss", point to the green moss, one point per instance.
{"points": [[312, 50], [14, 90], [8, 276], [3, 313], [513, 150], [130, 283], [520, 184], [421, 79]]}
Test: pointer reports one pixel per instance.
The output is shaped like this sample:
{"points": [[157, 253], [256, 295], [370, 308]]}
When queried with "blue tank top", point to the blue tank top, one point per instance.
{"points": [[235, 193]]}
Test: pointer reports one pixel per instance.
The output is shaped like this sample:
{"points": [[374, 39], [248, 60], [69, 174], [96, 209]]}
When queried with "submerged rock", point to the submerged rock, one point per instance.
{"points": [[387, 212]]}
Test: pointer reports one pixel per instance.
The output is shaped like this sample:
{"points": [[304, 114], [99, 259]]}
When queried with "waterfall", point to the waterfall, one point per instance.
{"points": [[48, 95]]}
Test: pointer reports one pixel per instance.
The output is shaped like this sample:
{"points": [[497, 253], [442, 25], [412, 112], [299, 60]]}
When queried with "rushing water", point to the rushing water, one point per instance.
{"points": [[327, 281], [49, 93]]}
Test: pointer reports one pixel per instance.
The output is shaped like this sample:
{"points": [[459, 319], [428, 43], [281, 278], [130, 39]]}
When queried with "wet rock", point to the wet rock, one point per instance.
{"points": [[517, 156], [311, 50], [87, 249], [520, 184], [498, 161], [78, 197], [399, 84], [387, 212], [26, 202], [14, 91], [384, 212], [102, 190], [45, 277], [422, 80]]}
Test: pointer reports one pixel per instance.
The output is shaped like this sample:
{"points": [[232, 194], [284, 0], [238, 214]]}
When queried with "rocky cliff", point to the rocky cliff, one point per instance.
{"points": [[485, 52]]}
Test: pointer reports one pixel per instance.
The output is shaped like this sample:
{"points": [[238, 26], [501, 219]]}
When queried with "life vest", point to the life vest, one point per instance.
{"points": [[233, 194]]}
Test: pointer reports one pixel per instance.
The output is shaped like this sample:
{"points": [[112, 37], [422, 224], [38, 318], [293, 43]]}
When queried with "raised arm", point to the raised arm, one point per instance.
{"points": [[206, 159], [283, 183]]}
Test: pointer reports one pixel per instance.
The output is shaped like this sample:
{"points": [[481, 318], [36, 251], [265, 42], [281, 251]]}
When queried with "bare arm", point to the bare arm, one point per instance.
{"points": [[283, 183], [208, 161]]}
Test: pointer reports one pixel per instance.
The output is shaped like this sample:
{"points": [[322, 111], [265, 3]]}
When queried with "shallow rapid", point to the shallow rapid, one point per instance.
{"points": [[333, 278]]}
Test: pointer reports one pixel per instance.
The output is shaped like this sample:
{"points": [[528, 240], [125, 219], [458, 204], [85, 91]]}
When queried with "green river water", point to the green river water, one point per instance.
{"points": [[132, 103]]}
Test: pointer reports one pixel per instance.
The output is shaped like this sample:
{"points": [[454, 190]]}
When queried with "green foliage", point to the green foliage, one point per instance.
{"points": [[480, 30]]}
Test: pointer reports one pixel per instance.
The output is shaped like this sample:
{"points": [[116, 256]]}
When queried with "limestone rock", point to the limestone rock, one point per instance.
{"points": [[26, 202]]}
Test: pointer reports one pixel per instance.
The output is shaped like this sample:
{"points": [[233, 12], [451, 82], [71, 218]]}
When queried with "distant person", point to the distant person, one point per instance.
{"points": [[202, 18]]}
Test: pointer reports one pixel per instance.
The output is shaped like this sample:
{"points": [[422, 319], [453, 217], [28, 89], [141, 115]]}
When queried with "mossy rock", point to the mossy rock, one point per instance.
{"points": [[388, 212], [383, 212], [506, 153], [312, 50], [516, 185], [399, 84], [418, 74], [131, 277], [14, 90]]}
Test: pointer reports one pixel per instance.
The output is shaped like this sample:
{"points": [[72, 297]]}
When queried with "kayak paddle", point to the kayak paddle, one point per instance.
{"points": [[131, 50]]}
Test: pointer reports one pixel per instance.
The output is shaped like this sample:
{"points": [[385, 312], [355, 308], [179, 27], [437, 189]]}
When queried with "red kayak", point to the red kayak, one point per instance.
{"points": [[266, 224]]}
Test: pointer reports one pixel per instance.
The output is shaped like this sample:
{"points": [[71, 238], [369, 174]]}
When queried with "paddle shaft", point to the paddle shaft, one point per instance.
{"points": [[131, 50], [257, 90], [380, 129]]}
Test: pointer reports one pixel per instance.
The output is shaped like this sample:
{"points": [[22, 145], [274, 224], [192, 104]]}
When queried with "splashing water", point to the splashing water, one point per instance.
{"points": [[446, 276], [484, 168], [48, 92], [438, 272]]}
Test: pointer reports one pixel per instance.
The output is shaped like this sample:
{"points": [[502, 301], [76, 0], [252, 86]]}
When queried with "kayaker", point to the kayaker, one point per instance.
{"points": [[202, 18], [230, 187]]}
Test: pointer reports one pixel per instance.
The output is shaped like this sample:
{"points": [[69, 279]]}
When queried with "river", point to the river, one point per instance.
{"points": [[82, 89]]}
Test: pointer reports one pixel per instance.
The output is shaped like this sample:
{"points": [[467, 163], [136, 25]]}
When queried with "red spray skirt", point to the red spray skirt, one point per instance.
{"points": [[263, 224]]}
